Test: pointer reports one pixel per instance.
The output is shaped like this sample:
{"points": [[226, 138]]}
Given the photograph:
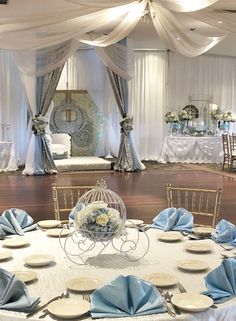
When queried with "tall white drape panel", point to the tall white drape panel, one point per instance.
{"points": [[13, 104], [147, 102], [203, 77]]}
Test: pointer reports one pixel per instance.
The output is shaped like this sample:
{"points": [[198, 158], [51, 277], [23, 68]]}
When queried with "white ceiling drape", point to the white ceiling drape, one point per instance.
{"points": [[112, 21]]}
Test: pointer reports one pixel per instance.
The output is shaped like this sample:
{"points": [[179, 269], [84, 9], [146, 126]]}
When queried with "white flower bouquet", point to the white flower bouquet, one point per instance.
{"points": [[184, 115], [39, 124], [98, 222], [228, 116], [171, 117], [217, 114]]}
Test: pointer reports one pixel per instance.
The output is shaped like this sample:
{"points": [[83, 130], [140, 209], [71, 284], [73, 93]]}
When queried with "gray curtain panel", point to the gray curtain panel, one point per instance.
{"points": [[128, 159], [46, 87]]}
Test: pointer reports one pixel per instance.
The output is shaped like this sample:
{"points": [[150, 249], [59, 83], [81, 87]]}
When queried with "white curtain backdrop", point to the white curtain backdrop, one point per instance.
{"points": [[13, 105], [147, 102], [205, 77]]}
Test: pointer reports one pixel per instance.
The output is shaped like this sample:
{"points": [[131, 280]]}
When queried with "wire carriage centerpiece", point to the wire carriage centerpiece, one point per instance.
{"points": [[100, 221]]}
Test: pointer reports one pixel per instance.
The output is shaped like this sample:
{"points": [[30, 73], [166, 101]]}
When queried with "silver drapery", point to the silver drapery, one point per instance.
{"points": [[127, 160]]}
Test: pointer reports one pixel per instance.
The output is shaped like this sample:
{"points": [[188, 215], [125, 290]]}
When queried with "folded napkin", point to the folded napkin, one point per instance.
{"points": [[221, 282], [16, 221], [176, 219], [14, 294], [126, 296], [78, 207], [225, 233], [2, 233]]}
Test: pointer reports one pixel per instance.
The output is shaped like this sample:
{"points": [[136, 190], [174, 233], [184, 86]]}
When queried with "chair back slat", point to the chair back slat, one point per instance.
{"points": [[66, 197], [202, 203]]}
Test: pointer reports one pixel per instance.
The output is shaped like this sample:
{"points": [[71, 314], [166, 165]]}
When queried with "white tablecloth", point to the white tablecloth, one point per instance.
{"points": [[7, 157], [184, 149], [161, 257]]}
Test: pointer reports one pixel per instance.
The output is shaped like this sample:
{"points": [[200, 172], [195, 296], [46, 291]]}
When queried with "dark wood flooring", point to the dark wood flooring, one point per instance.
{"points": [[142, 192]]}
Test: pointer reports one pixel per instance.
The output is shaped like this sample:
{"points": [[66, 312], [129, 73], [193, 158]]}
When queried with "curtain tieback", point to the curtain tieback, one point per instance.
{"points": [[126, 125], [39, 124]]}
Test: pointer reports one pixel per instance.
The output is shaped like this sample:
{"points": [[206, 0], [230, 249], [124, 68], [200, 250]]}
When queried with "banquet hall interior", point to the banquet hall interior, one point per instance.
{"points": [[135, 95]]}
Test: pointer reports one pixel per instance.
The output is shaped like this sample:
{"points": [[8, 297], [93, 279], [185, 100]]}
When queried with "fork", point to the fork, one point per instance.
{"points": [[169, 307], [168, 295], [64, 294], [87, 297]]}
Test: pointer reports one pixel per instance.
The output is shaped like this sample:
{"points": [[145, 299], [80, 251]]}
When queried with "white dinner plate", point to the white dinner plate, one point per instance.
{"points": [[4, 255], [192, 265], [56, 232], [133, 222], [192, 302], [83, 284], [228, 254], [26, 276], [203, 231], [198, 247], [170, 236], [69, 308], [15, 242], [161, 279], [39, 259], [49, 223]]}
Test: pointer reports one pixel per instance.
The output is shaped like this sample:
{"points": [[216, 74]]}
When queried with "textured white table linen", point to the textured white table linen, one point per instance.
{"points": [[184, 149], [161, 257], [7, 157]]}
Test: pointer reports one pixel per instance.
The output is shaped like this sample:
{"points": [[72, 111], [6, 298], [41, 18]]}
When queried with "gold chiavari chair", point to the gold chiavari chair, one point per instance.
{"points": [[204, 204], [65, 198], [229, 151], [226, 152]]}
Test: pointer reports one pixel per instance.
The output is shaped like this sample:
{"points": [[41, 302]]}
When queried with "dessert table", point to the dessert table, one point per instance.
{"points": [[191, 149], [162, 257], [7, 157]]}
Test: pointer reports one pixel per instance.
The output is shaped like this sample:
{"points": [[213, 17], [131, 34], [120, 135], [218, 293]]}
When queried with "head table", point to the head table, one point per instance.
{"points": [[190, 149], [161, 257]]}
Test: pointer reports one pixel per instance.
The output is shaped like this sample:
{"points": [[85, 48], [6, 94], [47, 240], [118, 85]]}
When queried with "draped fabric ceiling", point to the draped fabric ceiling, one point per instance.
{"points": [[30, 24]]}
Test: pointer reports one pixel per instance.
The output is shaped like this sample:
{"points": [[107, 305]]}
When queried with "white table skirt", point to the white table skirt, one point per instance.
{"points": [[7, 157], [184, 149], [161, 257]]}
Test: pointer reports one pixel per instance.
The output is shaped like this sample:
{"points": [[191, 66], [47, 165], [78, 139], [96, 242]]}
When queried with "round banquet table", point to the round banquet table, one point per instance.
{"points": [[190, 149], [161, 257]]}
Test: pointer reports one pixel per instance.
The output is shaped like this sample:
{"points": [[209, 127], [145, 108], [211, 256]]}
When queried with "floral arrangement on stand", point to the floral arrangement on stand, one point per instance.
{"points": [[216, 114], [185, 115], [98, 222], [39, 124], [171, 117], [228, 116]]}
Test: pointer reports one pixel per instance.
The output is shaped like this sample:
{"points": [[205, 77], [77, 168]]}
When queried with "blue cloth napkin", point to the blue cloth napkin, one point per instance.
{"points": [[176, 219], [16, 221], [14, 294], [78, 207], [225, 233], [126, 296], [2, 233], [221, 282]]}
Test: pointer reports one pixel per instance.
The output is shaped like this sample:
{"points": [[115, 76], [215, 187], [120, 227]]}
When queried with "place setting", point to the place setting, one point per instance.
{"points": [[39, 260], [27, 276], [15, 242], [5, 255]]}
